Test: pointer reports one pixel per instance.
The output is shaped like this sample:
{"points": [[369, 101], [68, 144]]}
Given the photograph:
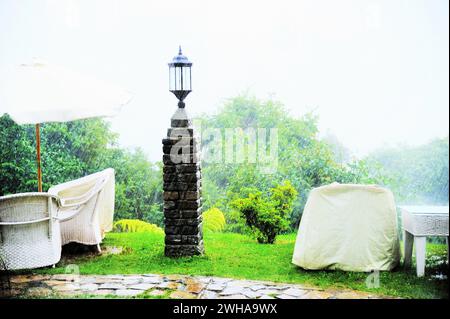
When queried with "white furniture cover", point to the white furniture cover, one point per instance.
{"points": [[348, 227], [87, 207], [29, 231]]}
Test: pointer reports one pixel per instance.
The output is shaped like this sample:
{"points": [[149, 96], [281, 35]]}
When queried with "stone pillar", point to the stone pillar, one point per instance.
{"points": [[182, 189]]}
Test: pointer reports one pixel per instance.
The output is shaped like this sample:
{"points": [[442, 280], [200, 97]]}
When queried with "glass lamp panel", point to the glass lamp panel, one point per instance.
{"points": [[178, 78], [172, 78], [187, 85]]}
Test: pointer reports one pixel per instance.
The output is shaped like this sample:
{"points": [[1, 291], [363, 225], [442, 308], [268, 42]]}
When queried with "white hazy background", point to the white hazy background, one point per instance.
{"points": [[376, 72]]}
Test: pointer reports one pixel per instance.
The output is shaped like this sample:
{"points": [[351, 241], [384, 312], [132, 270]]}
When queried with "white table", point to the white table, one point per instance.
{"points": [[418, 223]]}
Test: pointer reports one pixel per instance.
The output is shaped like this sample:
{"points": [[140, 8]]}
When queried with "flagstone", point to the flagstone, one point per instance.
{"points": [[156, 292], [119, 277], [87, 280], [237, 296], [168, 285], [131, 281], [304, 287], [231, 291], [21, 279], [315, 294], [111, 286], [239, 283], [39, 277], [294, 292], [89, 287], [257, 287], [204, 280], [352, 295], [136, 277], [141, 286], [54, 282], [284, 296], [66, 287], [128, 292], [179, 286], [215, 287], [152, 280], [65, 277], [174, 277], [194, 286], [104, 280], [181, 295], [277, 287], [218, 280], [250, 293], [207, 294]]}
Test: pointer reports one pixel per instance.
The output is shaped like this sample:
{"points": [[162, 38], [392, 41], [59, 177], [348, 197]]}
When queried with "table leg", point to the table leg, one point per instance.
{"points": [[408, 240], [420, 243]]}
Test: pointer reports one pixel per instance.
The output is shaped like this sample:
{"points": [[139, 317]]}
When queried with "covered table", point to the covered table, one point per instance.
{"points": [[418, 223], [348, 227]]}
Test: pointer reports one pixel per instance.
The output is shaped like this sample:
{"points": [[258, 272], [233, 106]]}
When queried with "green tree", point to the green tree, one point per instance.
{"points": [[17, 159], [266, 216], [139, 186], [72, 150], [418, 175], [303, 158]]}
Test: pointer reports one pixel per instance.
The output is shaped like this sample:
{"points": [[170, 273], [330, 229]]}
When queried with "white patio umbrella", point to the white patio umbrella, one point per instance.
{"points": [[38, 92]]}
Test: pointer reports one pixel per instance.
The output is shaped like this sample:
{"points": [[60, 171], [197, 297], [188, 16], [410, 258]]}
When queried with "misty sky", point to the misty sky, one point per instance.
{"points": [[376, 72]]}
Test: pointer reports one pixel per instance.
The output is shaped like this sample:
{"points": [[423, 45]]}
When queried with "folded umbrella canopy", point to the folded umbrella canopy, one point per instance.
{"points": [[38, 92]]}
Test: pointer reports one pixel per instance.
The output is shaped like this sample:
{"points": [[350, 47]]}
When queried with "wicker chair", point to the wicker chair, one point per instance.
{"points": [[87, 208], [29, 231]]}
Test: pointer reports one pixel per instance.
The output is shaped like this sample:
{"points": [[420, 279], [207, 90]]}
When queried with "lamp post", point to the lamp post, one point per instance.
{"points": [[182, 171], [180, 78]]}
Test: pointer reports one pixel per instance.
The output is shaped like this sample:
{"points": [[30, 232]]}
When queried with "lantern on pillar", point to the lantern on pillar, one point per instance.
{"points": [[180, 79]]}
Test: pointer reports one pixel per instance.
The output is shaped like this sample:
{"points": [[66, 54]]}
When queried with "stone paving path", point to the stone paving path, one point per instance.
{"points": [[167, 286]]}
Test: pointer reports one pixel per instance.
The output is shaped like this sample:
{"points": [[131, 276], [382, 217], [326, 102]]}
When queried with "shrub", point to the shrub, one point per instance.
{"points": [[213, 220], [267, 216], [135, 225]]}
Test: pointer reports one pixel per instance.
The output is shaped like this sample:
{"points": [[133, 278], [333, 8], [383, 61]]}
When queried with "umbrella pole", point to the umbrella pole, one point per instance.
{"points": [[38, 157]]}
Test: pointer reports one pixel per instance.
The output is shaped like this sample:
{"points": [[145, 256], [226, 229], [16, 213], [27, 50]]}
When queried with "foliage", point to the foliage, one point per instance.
{"points": [[303, 158], [134, 226], [267, 217], [213, 220], [68, 151], [74, 149], [17, 168], [418, 175], [238, 256], [138, 186]]}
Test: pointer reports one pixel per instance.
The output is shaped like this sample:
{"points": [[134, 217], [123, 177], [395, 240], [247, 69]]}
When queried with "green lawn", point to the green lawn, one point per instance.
{"points": [[239, 256]]}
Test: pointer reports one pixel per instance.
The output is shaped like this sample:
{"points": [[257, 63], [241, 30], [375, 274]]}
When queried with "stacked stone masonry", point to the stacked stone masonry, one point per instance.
{"points": [[182, 189]]}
